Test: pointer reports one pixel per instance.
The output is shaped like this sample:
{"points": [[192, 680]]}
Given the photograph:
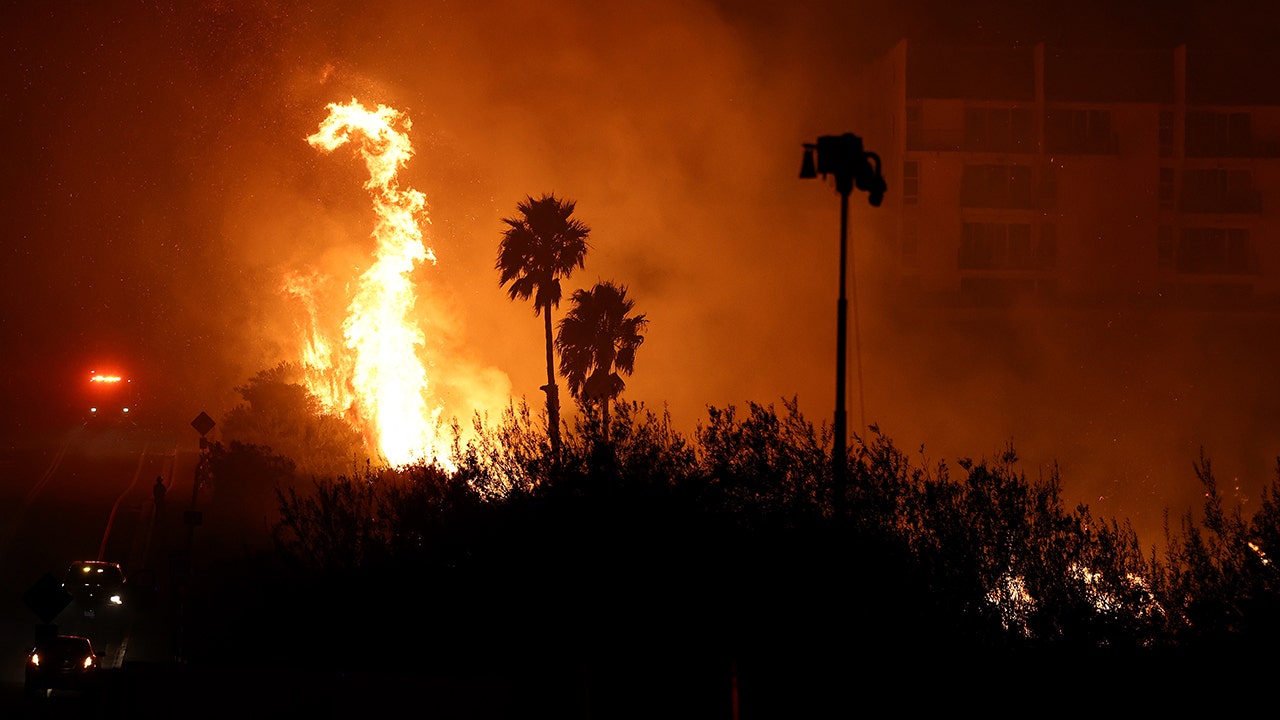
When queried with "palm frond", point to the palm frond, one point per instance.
{"points": [[543, 244], [597, 340]]}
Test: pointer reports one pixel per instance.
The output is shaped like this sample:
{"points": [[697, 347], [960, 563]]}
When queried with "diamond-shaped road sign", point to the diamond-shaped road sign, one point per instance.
{"points": [[47, 598], [203, 424]]}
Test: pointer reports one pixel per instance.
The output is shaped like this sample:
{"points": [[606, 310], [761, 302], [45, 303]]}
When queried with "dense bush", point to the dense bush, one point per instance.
{"points": [[734, 538], [277, 412]]}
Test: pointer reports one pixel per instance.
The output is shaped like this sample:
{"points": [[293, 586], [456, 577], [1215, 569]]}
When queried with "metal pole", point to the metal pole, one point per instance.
{"points": [[857, 344], [840, 454]]}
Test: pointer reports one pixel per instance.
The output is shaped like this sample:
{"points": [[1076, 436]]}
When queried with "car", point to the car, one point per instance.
{"points": [[61, 662], [95, 585]]}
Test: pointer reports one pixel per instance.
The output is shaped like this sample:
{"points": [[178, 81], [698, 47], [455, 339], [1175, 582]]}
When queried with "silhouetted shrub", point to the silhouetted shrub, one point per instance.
{"points": [[733, 540], [279, 413], [1218, 581]]}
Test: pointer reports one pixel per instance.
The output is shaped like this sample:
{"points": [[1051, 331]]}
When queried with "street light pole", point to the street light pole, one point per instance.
{"points": [[840, 455], [843, 157]]}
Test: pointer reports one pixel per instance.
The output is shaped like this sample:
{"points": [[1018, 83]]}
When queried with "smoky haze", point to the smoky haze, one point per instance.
{"points": [[159, 188]]}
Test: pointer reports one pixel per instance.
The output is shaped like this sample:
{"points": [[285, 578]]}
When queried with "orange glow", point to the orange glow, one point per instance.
{"points": [[105, 378], [376, 377]]}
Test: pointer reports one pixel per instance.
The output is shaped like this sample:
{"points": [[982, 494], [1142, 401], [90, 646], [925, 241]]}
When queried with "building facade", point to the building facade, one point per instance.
{"points": [[1037, 174]]}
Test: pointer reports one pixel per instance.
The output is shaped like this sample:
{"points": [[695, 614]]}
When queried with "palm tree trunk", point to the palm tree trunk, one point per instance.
{"points": [[553, 393], [605, 409]]}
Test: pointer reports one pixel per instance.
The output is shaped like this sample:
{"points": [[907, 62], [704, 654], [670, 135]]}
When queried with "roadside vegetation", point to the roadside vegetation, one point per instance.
{"points": [[728, 541]]}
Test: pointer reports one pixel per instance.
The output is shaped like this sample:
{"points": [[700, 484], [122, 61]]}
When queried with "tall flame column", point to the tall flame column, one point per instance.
{"points": [[387, 376]]}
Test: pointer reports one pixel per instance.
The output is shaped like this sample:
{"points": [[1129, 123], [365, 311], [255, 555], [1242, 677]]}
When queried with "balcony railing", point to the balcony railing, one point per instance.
{"points": [[1105, 145], [1242, 203], [1247, 148], [935, 140]]}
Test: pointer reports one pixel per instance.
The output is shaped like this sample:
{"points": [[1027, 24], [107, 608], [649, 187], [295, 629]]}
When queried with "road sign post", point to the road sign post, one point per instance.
{"points": [[190, 518]]}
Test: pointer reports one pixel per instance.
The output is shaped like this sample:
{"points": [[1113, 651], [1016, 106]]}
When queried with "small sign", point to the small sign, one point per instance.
{"points": [[203, 424], [47, 598]]}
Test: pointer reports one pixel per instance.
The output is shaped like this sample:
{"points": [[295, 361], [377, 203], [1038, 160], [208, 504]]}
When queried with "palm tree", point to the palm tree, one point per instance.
{"points": [[538, 248], [598, 339]]}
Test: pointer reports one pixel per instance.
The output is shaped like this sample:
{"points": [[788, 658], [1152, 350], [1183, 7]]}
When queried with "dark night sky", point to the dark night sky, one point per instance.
{"points": [[158, 185]]}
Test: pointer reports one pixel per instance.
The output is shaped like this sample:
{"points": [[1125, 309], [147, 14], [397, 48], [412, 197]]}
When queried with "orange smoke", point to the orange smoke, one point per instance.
{"points": [[375, 377]]}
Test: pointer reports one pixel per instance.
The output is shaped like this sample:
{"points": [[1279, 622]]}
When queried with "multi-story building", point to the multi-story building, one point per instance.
{"points": [[1076, 176]]}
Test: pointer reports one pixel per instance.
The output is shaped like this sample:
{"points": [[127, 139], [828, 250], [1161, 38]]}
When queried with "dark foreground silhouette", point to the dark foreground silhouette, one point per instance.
{"points": [[656, 576]]}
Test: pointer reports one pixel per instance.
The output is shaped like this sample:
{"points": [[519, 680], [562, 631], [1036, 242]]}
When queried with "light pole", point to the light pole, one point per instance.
{"points": [[842, 156]]}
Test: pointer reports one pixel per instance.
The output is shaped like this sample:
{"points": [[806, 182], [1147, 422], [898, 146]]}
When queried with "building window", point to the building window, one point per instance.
{"points": [[1004, 246], [996, 186], [1166, 133], [1219, 134], [998, 130], [910, 182], [1215, 190], [1020, 253], [1047, 248], [1079, 132], [1166, 188], [1214, 251], [1205, 251], [1048, 184]]}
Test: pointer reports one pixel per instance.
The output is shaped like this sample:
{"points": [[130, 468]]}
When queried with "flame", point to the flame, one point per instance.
{"points": [[376, 378], [327, 372], [105, 378]]}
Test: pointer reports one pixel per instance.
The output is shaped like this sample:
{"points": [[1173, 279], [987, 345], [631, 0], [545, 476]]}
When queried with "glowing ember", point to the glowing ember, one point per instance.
{"points": [[1261, 555], [376, 378]]}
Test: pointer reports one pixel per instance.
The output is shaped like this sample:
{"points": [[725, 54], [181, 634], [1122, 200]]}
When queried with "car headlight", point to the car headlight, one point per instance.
{"points": [[35, 659], [88, 662], [115, 600]]}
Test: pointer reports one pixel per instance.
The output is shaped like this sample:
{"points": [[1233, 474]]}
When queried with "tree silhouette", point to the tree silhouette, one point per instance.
{"points": [[541, 246], [597, 340], [279, 413]]}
